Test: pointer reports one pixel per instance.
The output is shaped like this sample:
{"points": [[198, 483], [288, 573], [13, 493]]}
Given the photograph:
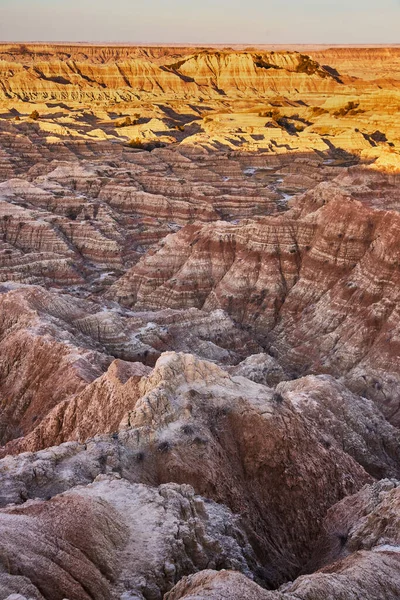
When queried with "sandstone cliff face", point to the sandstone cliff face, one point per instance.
{"points": [[38, 368], [74, 224], [367, 63], [347, 420]]}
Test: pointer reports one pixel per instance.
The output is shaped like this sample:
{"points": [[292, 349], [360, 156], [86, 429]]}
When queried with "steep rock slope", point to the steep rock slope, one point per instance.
{"points": [[56, 349], [293, 280], [228, 438], [29, 74], [360, 546], [199, 361], [112, 538]]}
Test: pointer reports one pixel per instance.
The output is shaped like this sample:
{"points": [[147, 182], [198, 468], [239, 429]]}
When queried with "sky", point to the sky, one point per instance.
{"points": [[202, 22]]}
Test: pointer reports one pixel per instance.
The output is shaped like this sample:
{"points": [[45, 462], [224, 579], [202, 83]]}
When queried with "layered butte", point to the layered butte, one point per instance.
{"points": [[199, 323]]}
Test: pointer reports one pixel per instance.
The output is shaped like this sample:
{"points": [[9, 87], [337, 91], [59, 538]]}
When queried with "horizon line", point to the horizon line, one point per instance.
{"points": [[199, 44]]}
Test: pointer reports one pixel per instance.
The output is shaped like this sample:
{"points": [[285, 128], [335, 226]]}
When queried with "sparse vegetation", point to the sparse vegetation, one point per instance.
{"points": [[317, 111], [272, 114], [140, 457], [72, 213], [187, 429], [309, 66], [136, 143], [164, 447], [34, 115], [141, 144], [127, 122], [277, 398], [351, 108]]}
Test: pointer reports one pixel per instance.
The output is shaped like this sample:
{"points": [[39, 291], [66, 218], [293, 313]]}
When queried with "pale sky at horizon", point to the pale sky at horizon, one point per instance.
{"points": [[204, 22]]}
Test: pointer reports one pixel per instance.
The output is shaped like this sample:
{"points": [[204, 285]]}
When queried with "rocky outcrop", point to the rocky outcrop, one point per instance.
{"points": [[360, 545], [199, 365], [221, 585], [97, 409], [227, 437], [116, 538], [39, 365], [203, 443], [29, 74], [352, 422], [56, 350], [84, 224], [290, 280], [261, 368]]}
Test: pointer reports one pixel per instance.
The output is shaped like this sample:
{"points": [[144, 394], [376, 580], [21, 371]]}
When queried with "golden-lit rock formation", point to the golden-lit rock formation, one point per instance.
{"points": [[199, 323]]}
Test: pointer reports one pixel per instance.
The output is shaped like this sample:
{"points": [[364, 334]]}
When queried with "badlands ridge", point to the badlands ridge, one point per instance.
{"points": [[199, 323]]}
